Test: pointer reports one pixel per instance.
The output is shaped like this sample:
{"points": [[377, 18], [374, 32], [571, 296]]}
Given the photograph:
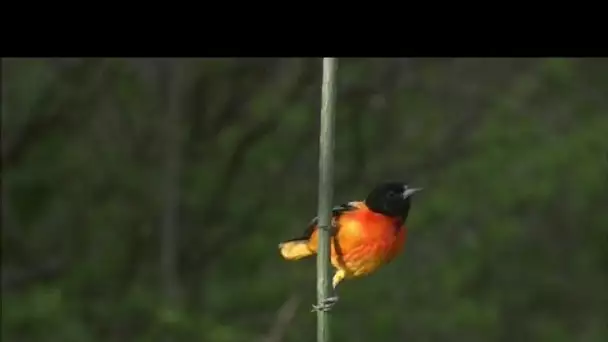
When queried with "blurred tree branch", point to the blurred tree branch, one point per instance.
{"points": [[242, 229], [18, 279], [75, 86], [281, 85], [285, 316], [170, 85], [293, 84], [207, 121]]}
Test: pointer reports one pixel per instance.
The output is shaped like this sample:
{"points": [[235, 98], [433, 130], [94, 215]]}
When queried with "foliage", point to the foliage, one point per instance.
{"points": [[507, 242]]}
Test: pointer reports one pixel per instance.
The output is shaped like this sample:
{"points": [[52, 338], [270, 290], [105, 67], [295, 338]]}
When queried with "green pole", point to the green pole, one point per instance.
{"points": [[326, 160]]}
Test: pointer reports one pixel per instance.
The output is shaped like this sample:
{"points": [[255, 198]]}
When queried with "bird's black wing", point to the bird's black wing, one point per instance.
{"points": [[335, 213]]}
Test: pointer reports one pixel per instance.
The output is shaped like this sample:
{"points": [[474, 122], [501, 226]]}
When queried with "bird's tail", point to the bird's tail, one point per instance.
{"points": [[295, 249]]}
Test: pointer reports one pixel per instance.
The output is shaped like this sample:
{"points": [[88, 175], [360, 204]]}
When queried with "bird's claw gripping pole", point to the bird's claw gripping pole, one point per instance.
{"points": [[326, 305]]}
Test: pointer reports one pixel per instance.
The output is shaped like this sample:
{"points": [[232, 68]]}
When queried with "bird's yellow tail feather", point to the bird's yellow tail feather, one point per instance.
{"points": [[295, 249]]}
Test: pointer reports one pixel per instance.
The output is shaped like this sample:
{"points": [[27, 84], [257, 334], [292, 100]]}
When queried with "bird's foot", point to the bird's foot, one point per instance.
{"points": [[325, 305]]}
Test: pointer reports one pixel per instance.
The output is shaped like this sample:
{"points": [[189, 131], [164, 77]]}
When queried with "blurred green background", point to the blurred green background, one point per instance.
{"points": [[143, 199]]}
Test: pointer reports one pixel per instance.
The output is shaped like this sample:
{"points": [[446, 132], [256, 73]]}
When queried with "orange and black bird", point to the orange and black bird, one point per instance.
{"points": [[364, 235]]}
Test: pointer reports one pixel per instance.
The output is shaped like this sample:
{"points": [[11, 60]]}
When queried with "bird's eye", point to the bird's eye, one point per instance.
{"points": [[392, 194]]}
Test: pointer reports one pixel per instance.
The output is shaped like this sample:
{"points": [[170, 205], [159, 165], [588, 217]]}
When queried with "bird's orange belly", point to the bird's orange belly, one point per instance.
{"points": [[363, 259]]}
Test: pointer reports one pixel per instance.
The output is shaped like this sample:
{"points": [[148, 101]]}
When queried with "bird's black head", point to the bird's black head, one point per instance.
{"points": [[391, 198]]}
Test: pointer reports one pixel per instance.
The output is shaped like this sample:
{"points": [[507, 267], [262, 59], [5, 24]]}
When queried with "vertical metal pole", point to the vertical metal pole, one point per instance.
{"points": [[326, 160]]}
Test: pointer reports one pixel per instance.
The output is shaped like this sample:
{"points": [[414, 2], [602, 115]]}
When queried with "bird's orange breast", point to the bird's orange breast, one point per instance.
{"points": [[364, 240]]}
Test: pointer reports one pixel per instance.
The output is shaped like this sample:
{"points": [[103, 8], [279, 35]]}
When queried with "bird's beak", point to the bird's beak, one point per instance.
{"points": [[409, 192]]}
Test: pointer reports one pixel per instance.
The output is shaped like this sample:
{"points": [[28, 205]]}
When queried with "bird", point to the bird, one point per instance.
{"points": [[365, 235]]}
